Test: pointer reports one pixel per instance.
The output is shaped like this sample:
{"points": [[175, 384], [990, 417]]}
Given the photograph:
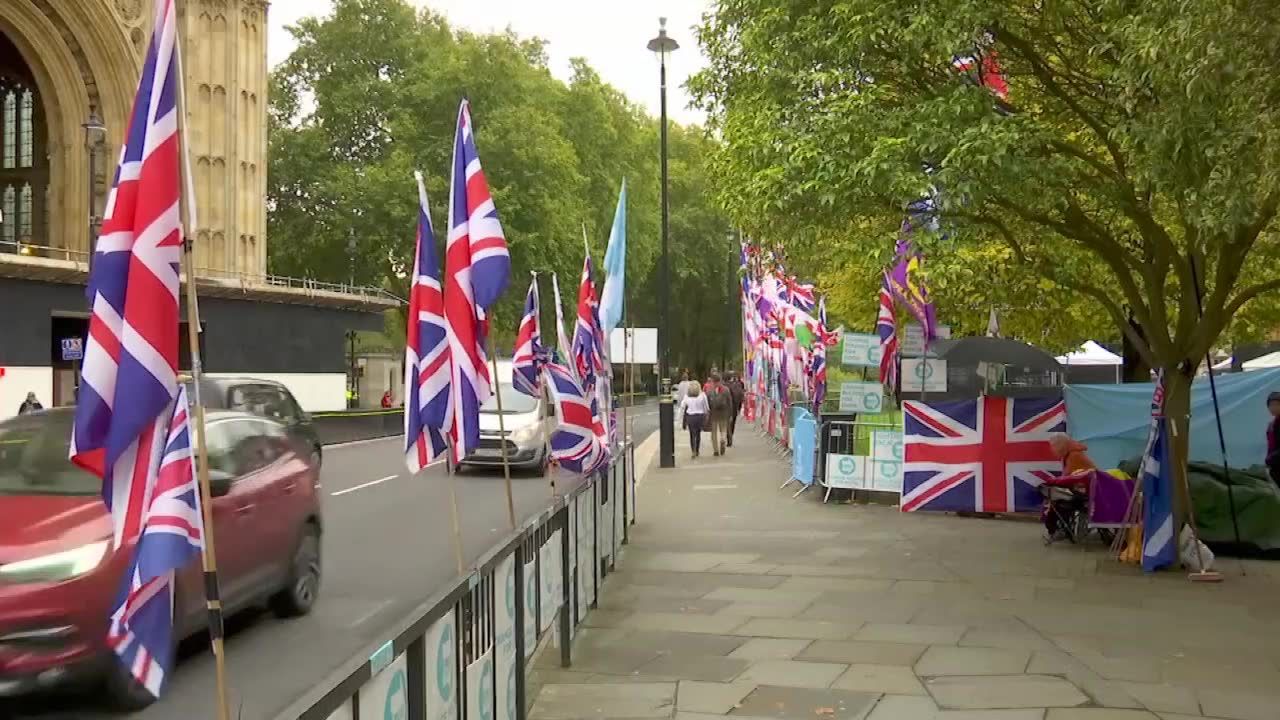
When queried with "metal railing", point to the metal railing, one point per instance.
{"points": [[247, 281], [465, 654]]}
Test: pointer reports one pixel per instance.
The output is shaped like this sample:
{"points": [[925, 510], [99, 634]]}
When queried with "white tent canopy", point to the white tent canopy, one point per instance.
{"points": [[1266, 361], [1091, 353]]}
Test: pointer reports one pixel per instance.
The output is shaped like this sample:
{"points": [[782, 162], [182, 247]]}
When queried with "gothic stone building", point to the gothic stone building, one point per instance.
{"points": [[68, 73]]}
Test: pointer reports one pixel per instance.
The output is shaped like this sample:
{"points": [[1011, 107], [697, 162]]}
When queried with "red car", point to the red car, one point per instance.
{"points": [[59, 574]]}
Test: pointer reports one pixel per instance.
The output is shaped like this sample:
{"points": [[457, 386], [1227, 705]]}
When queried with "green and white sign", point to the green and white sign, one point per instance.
{"points": [[913, 338], [505, 636], [441, 669], [846, 471], [480, 687], [861, 350], [861, 397], [530, 607], [386, 695], [886, 445], [552, 590], [342, 713], [924, 374]]}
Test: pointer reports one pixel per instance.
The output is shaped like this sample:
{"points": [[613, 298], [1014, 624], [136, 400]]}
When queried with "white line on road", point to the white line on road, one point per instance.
{"points": [[715, 487], [369, 615], [362, 486], [357, 443]]}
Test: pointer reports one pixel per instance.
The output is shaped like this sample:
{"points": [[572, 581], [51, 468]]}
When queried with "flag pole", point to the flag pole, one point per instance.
{"points": [[502, 436], [208, 554], [451, 470]]}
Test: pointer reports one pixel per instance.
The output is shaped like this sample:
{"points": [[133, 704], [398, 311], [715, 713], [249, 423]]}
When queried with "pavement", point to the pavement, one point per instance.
{"points": [[387, 546], [734, 600]]}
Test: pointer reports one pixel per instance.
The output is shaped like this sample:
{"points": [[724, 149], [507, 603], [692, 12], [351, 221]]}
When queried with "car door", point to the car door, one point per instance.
{"points": [[283, 479]]}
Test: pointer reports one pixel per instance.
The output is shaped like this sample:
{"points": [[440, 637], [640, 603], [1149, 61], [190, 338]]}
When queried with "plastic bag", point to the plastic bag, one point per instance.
{"points": [[1187, 551]]}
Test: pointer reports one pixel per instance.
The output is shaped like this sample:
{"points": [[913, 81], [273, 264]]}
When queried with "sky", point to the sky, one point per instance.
{"points": [[610, 34]]}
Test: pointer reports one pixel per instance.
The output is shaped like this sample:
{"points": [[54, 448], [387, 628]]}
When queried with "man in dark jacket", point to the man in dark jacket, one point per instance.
{"points": [[738, 391], [1273, 437]]}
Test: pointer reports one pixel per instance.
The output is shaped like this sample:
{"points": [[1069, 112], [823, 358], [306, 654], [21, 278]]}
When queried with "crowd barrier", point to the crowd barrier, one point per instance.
{"points": [[342, 426], [465, 654]]}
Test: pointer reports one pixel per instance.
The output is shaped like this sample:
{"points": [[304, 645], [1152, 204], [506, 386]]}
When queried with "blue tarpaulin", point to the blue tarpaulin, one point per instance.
{"points": [[1113, 420], [804, 440]]}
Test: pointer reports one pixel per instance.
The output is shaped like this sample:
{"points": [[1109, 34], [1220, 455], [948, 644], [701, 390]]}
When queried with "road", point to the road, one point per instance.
{"points": [[387, 547]]}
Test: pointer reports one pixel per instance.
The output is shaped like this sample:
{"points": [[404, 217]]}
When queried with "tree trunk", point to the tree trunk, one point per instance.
{"points": [[1177, 408], [1135, 368]]}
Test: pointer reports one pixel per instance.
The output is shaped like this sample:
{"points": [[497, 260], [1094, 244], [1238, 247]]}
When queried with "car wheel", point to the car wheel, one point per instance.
{"points": [[302, 586], [544, 464]]}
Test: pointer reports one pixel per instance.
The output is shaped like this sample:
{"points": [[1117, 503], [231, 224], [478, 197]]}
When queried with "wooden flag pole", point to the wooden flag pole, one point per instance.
{"points": [[208, 554], [451, 471], [502, 436]]}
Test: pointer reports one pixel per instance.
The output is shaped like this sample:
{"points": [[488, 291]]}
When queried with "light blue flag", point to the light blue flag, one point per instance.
{"points": [[615, 266]]}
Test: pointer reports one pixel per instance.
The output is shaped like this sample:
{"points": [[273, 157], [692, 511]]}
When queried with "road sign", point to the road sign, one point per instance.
{"points": [[927, 374], [861, 397], [913, 339], [861, 350], [72, 349]]}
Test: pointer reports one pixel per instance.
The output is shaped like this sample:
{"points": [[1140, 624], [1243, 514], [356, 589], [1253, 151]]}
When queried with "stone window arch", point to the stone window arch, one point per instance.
{"points": [[24, 160]]}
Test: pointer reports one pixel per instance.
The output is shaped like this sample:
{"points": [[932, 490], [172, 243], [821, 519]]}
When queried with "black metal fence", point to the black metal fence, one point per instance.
{"points": [[342, 426], [464, 654]]}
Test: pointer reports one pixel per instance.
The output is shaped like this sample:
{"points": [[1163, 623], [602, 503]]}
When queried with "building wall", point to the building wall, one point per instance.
{"points": [[88, 53]]}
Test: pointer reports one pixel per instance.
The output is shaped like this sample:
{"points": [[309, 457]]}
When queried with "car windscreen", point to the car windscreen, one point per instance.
{"points": [[514, 402], [33, 457]]}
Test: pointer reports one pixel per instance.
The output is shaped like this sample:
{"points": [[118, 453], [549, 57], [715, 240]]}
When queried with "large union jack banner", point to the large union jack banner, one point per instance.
{"points": [[426, 362], [983, 455], [477, 267]]}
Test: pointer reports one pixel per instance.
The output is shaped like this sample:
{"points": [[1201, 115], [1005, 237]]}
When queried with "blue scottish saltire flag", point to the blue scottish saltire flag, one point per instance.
{"points": [[1159, 546], [578, 442], [171, 536], [529, 356], [983, 455], [426, 362]]}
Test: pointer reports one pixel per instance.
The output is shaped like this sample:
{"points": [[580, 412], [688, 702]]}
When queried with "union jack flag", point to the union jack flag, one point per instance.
{"points": [[172, 535], [800, 294], [527, 360], [426, 354], [887, 329], [589, 353], [477, 266], [577, 444], [983, 455]]}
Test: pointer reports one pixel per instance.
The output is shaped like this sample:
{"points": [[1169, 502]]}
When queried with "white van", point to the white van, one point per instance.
{"points": [[528, 423]]}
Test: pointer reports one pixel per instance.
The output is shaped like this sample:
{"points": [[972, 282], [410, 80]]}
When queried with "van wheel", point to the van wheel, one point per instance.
{"points": [[544, 465], [302, 586]]}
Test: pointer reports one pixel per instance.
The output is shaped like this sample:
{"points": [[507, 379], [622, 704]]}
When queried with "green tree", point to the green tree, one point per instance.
{"points": [[371, 93], [1136, 152]]}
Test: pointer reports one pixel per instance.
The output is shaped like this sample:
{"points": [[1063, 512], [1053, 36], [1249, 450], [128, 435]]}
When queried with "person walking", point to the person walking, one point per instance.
{"points": [[720, 401], [31, 404], [738, 391], [694, 410], [678, 394]]}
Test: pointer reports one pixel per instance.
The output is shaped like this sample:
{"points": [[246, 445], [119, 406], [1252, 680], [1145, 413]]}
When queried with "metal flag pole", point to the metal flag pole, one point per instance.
{"points": [[502, 435], [451, 471], [208, 554]]}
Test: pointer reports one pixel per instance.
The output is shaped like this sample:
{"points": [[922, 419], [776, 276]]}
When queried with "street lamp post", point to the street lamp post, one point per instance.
{"points": [[94, 132], [663, 45]]}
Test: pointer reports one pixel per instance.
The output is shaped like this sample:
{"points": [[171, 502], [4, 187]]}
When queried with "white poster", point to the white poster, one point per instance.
{"points": [[886, 445], [504, 625], [591, 562], [927, 373], [861, 397], [571, 591], [552, 583], [480, 687], [606, 521], [861, 350], [441, 669], [913, 340], [386, 695], [530, 607], [642, 346], [342, 713], [846, 471]]}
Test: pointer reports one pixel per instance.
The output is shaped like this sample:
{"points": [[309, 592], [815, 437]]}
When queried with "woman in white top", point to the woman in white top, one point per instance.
{"points": [[694, 408]]}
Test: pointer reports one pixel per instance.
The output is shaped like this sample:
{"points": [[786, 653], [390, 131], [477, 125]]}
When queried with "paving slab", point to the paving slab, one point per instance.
{"points": [[676, 622], [953, 660], [1164, 698], [615, 700], [685, 561], [866, 653], [793, 673], [911, 634], [1239, 706], [681, 642], [1099, 714], [798, 629], [888, 679], [711, 697], [858, 612], [1004, 638], [911, 707], [743, 609], [1004, 692], [680, 666], [771, 649], [767, 596], [791, 703]]}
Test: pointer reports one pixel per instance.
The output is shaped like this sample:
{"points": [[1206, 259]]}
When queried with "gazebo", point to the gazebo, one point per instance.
{"points": [[1092, 363]]}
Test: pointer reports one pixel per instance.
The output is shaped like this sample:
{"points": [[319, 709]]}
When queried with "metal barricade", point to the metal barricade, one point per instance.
{"points": [[465, 653], [849, 458]]}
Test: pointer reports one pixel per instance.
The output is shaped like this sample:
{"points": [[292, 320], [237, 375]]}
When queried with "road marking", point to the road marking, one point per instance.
{"points": [[369, 615], [357, 443], [715, 487], [362, 486]]}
